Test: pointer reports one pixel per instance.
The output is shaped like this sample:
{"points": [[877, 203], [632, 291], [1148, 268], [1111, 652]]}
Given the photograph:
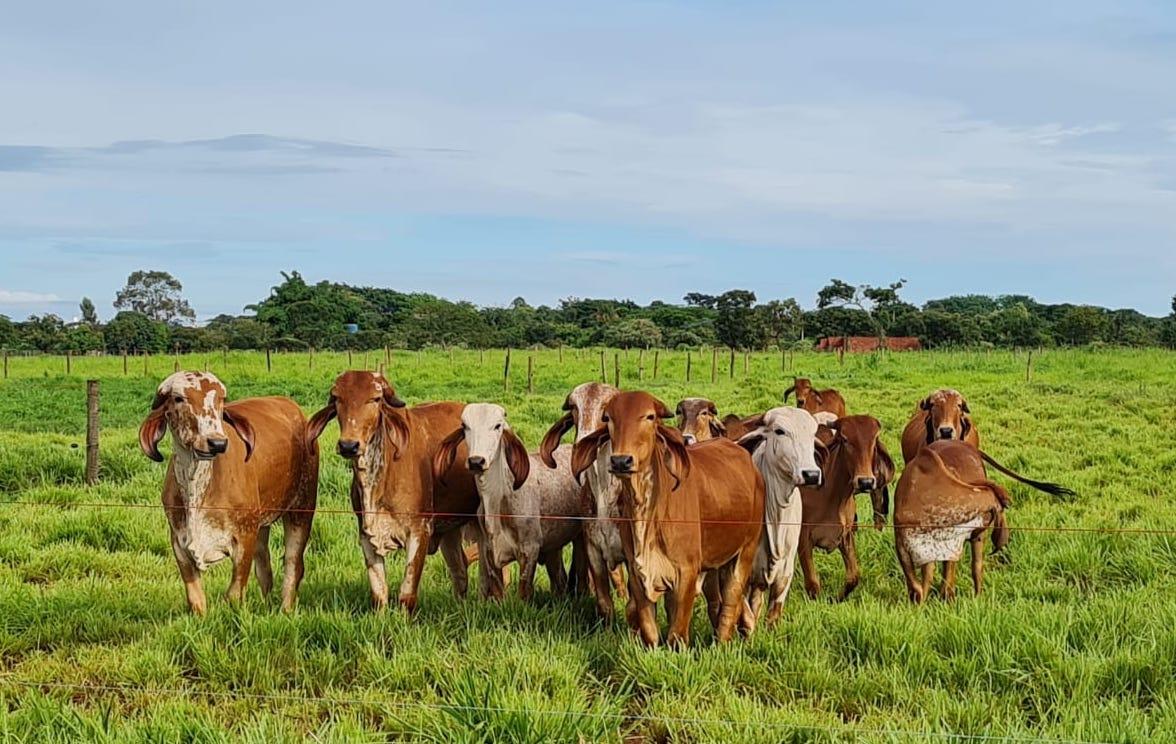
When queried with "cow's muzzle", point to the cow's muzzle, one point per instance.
{"points": [[811, 477], [864, 485], [476, 464], [348, 448], [946, 432], [620, 464]]}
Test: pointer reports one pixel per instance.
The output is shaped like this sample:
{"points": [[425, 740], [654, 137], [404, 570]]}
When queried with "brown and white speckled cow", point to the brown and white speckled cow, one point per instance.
{"points": [[226, 485]]}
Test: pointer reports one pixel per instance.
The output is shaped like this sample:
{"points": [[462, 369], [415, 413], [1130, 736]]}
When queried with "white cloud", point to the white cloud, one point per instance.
{"points": [[16, 297]]}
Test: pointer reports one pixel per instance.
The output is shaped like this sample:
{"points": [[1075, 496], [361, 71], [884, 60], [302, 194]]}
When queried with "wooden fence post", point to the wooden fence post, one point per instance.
{"points": [[714, 364], [146, 358], [125, 368], [350, 360], [561, 353], [656, 359], [269, 363], [731, 365], [687, 365], [746, 360], [530, 373], [6, 364], [603, 373], [92, 465], [1029, 366], [506, 371], [68, 362], [310, 359], [641, 364], [616, 370]]}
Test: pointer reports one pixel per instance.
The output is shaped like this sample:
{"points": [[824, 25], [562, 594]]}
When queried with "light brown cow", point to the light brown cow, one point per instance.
{"points": [[698, 420], [685, 511], [814, 401], [397, 502], [225, 486], [855, 462], [943, 499], [944, 414], [584, 412]]}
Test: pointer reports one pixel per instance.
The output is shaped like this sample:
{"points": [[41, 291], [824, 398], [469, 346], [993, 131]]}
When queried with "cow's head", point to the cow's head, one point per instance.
{"points": [[192, 405], [868, 465], [365, 404], [489, 439], [632, 424], [803, 387], [946, 415], [784, 443], [583, 411], [698, 420]]}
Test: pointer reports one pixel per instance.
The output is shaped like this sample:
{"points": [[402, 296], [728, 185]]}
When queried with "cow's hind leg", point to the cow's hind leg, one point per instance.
{"points": [[914, 588], [557, 575], [978, 564], [949, 579], [734, 590], [296, 531], [928, 578], [262, 569], [684, 592], [853, 575], [804, 551], [601, 579]]}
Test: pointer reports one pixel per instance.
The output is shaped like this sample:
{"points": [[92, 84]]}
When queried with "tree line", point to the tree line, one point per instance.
{"points": [[154, 317]]}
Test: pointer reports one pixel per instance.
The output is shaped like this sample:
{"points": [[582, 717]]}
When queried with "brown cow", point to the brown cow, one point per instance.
{"points": [[685, 511], [225, 486], [943, 414], [734, 426], [584, 411], [943, 498], [698, 420], [814, 401], [855, 462], [396, 500]]}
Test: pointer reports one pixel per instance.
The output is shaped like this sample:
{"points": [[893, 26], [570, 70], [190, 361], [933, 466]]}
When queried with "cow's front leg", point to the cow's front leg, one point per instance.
{"points": [[418, 550], [377, 578], [191, 577], [244, 545]]}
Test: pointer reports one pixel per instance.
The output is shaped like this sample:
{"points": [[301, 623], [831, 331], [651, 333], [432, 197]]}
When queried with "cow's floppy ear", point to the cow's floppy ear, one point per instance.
{"points": [[753, 422], [789, 391], [660, 409], [964, 406], [680, 411], [752, 439], [925, 403], [883, 464], [319, 421], [395, 429], [445, 454], [243, 428], [816, 394], [584, 452], [551, 438], [153, 428], [929, 427], [517, 458], [820, 451], [717, 428], [675, 450], [965, 426]]}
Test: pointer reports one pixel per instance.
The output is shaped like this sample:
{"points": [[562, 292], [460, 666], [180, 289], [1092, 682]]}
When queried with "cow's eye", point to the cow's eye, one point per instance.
{"points": [[498, 427], [179, 399], [650, 417], [780, 432], [604, 418]]}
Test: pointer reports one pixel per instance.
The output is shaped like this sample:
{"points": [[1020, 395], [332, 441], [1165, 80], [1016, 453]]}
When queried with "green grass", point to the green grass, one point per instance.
{"points": [[1074, 638]]}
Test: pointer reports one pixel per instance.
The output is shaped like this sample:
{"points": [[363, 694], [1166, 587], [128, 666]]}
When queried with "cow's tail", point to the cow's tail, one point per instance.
{"points": [[1000, 530], [1052, 489]]}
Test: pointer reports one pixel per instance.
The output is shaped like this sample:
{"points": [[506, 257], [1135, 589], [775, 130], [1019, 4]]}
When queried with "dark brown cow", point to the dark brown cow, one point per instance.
{"points": [[685, 511], [943, 414], [814, 401], [698, 420], [855, 462], [225, 486], [393, 492]]}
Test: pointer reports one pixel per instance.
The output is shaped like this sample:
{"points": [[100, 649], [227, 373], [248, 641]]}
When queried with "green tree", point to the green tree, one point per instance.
{"points": [[135, 332], [880, 304], [781, 320], [632, 333], [84, 338], [736, 323], [89, 312], [45, 333], [157, 295], [1081, 324], [7, 333]]}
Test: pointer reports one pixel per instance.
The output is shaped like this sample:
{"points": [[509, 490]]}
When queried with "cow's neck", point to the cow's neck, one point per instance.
{"points": [[779, 485], [192, 474], [496, 488]]}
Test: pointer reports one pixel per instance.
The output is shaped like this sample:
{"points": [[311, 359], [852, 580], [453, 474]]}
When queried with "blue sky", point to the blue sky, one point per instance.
{"points": [[644, 150]]}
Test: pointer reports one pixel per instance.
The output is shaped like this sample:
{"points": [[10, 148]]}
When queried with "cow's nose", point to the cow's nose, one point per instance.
{"points": [[218, 446], [946, 432], [811, 477], [689, 438], [476, 463], [865, 484], [348, 447], [621, 463]]}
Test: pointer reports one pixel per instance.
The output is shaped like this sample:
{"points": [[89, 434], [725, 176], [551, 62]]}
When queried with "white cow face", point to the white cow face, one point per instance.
{"points": [[784, 444]]}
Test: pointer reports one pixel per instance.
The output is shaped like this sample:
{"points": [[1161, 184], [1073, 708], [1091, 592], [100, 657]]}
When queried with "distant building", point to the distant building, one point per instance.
{"points": [[859, 344]]}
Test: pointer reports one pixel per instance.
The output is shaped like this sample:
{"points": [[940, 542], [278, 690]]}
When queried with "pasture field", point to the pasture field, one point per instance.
{"points": [[1074, 638]]}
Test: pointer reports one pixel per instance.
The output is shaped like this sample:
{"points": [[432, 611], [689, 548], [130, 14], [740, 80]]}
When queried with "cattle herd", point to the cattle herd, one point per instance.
{"points": [[652, 511]]}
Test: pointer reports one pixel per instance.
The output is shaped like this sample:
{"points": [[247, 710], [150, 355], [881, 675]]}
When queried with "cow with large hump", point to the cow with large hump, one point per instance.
{"points": [[698, 420], [854, 461], [397, 501], [944, 414], [236, 468], [683, 510], [813, 400], [584, 412], [522, 503], [944, 499], [783, 446]]}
